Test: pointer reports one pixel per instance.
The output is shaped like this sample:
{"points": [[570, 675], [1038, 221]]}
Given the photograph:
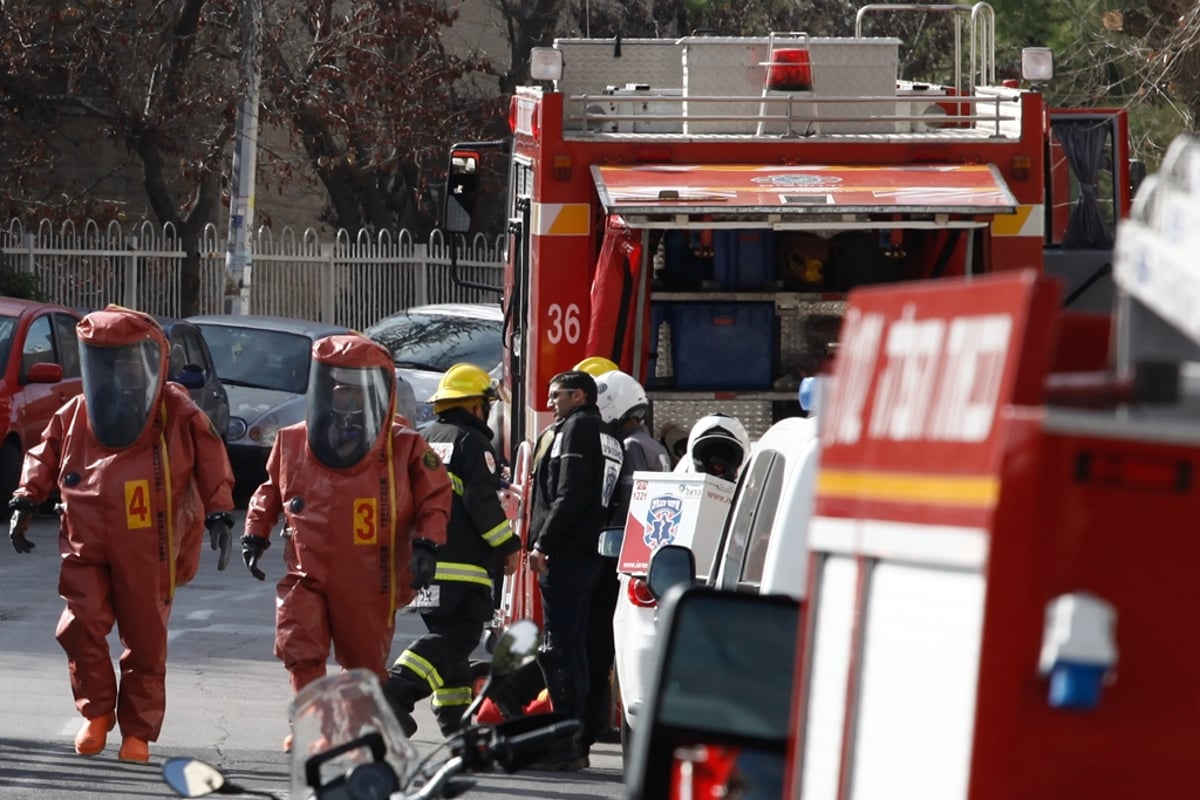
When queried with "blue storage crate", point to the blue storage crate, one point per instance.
{"points": [[723, 345], [743, 259]]}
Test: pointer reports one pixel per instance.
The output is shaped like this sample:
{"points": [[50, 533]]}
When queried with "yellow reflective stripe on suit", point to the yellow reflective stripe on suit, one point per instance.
{"points": [[423, 669], [454, 696], [462, 573], [499, 534]]}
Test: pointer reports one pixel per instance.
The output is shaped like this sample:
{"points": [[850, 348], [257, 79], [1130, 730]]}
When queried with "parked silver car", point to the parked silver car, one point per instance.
{"points": [[263, 362], [191, 365], [425, 341]]}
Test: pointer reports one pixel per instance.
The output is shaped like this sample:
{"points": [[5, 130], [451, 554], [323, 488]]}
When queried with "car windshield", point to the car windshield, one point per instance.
{"points": [[437, 342], [8, 325], [260, 359]]}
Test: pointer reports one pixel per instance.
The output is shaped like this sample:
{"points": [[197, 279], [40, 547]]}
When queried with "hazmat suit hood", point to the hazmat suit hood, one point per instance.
{"points": [[123, 361], [351, 399], [718, 445]]}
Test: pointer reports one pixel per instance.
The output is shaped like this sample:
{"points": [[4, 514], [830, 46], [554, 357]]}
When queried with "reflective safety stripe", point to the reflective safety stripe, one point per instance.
{"points": [[455, 483], [499, 534], [1027, 220], [452, 696], [423, 669], [560, 219], [462, 573]]}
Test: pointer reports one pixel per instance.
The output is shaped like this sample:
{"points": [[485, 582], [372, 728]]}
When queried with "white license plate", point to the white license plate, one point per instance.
{"points": [[426, 600]]}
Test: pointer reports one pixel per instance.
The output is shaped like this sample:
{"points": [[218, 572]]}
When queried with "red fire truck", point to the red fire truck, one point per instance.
{"points": [[696, 209], [1001, 568]]}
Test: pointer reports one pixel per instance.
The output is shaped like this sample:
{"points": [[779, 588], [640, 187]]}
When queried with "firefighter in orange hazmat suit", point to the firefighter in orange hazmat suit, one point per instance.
{"points": [[138, 466], [365, 500]]}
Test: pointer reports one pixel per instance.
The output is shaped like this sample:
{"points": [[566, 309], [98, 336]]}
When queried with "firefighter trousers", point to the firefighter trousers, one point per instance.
{"points": [[437, 664]]}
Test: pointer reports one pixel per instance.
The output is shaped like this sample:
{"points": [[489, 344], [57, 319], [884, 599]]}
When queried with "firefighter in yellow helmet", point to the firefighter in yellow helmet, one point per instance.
{"points": [[460, 601]]}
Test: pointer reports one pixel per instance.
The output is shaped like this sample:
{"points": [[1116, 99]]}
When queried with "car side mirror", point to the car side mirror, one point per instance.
{"points": [[671, 565], [610, 542], [191, 376], [44, 372]]}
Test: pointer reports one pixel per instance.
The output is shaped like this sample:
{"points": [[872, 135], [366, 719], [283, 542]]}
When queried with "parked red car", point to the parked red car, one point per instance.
{"points": [[39, 371]]}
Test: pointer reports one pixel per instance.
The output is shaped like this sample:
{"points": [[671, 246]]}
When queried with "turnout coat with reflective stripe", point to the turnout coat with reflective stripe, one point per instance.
{"points": [[479, 534]]}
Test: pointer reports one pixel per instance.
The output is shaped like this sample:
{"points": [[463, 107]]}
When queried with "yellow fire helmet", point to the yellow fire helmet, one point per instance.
{"points": [[596, 366], [462, 381]]}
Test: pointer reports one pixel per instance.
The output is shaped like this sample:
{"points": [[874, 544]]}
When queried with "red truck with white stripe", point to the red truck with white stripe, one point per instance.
{"points": [[697, 209], [1000, 579]]}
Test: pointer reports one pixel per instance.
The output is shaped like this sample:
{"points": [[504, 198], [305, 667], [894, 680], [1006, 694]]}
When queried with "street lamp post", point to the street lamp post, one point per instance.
{"points": [[238, 256]]}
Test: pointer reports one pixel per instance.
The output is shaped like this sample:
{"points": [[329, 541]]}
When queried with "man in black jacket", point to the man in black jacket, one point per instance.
{"points": [[460, 600], [571, 489]]}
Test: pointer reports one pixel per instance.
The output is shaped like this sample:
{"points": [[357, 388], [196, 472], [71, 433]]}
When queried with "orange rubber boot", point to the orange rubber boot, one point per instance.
{"points": [[93, 734], [134, 749]]}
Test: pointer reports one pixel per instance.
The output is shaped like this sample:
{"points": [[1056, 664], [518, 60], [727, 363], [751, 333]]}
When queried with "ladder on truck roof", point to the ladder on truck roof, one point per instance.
{"points": [[981, 70]]}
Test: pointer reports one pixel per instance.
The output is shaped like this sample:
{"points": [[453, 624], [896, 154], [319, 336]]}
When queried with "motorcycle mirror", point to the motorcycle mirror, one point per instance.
{"points": [[191, 777], [515, 647]]}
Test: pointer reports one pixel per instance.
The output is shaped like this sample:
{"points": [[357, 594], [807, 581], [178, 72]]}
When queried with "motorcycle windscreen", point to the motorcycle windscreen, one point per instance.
{"points": [[613, 324], [339, 722], [120, 385]]}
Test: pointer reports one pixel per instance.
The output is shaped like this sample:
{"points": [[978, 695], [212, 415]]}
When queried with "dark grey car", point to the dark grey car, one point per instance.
{"points": [[191, 365]]}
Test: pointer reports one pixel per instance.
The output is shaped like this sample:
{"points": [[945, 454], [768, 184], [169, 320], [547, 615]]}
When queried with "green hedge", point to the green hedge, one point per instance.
{"points": [[21, 284]]}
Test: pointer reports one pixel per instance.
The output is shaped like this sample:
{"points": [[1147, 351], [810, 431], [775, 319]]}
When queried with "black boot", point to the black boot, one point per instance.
{"points": [[563, 756], [396, 690]]}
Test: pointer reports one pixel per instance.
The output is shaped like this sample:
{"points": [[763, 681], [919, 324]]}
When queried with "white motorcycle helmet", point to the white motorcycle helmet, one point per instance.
{"points": [[619, 397], [718, 445]]}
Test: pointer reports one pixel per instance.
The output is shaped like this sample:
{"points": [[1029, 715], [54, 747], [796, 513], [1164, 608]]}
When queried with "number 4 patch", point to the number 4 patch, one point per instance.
{"points": [[137, 504]]}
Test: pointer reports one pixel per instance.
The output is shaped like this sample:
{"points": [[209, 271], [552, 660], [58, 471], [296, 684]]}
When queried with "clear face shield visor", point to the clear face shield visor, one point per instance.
{"points": [[120, 385], [346, 410]]}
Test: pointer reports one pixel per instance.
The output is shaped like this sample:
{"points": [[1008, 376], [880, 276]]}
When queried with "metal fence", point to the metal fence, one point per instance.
{"points": [[351, 280]]}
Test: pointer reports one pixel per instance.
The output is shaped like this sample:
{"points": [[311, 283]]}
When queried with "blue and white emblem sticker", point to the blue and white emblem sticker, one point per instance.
{"points": [[662, 518]]}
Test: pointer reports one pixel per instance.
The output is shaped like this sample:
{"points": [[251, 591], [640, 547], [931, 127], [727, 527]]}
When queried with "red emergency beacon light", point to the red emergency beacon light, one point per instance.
{"points": [[790, 70]]}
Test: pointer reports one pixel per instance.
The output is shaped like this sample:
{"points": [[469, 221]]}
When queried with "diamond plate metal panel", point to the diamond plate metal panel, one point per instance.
{"points": [[723, 66], [591, 65]]}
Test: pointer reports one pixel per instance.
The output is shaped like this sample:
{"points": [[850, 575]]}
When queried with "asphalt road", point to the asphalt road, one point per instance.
{"points": [[227, 695]]}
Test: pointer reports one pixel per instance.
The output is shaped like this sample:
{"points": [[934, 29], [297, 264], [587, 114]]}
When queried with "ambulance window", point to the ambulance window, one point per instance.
{"points": [[752, 501], [764, 523]]}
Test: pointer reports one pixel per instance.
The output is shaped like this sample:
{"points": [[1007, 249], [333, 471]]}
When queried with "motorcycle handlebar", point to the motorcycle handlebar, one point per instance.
{"points": [[512, 753]]}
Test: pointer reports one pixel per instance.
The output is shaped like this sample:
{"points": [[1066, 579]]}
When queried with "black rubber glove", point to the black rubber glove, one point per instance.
{"points": [[424, 563], [18, 527], [252, 549], [220, 531]]}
